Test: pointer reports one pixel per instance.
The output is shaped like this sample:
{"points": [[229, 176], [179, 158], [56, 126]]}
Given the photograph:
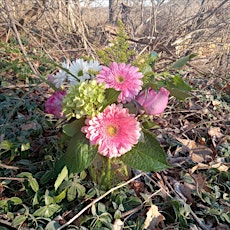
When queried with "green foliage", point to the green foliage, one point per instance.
{"points": [[119, 51], [147, 155], [183, 61]]}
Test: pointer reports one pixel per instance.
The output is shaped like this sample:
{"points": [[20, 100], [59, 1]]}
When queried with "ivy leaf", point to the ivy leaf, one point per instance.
{"points": [[146, 156], [71, 193], [15, 200], [61, 176], [182, 61], [111, 96], [60, 197], [34, 184], [47, 211], [78, 156], [18, 220]]}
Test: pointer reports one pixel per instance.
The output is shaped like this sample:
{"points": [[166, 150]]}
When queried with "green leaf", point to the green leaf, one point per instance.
{"points": [[73, 128], [52, 225], [71, 193], [46, 177], [61, 176], [48, 199], [60, 196], [35, 199], [146, 156], [178, 88], [147, 70], [6, 145], [47, 211], [153, 56], [25, 174], [34, 184], [80, 190], [79, 154], [182, 61], [181, 84], [18, 220], [179, 94], [15, 200], [25, 146], [111, 96]]}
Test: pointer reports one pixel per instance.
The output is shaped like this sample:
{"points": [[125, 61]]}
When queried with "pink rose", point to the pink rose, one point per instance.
{"points": [[153, 102], [53, 104]]}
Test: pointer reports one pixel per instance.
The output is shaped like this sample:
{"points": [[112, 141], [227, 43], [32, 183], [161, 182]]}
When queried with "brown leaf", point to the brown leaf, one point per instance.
{"points": [[202, 155], [187, 192], [198, 166], [187, 143], [28, 126], [215, 132]]}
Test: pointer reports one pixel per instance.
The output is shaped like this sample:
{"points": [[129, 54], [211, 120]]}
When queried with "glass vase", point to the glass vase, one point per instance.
{"points": [[108, 172]]}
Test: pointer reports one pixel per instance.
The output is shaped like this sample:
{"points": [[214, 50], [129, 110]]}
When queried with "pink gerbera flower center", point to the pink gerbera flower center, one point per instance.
{"points": [[112, 130], [120, 79]]}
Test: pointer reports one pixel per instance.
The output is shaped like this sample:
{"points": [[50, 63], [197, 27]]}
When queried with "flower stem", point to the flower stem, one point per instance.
{"points": [[108, 179]]}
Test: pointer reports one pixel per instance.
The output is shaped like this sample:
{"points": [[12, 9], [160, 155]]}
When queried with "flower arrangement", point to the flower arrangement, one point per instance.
{"points": [[108, 111], [96, 102]]}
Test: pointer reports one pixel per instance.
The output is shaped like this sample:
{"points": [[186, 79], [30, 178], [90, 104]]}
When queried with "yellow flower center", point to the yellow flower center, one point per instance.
{"points": [[112, 130], [120, 79]]}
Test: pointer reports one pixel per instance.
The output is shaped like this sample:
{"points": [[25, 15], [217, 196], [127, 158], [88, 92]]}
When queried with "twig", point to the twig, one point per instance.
{"points": [[202, 123], [19, 40], [8, 166], [13, 178], [98, 199]]}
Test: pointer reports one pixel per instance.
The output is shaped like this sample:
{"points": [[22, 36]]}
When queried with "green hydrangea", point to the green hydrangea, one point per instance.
{"points": [[84, 99]]}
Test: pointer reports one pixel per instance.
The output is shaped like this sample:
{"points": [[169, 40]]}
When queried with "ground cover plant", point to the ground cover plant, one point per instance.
{"points": [[43, 185]]}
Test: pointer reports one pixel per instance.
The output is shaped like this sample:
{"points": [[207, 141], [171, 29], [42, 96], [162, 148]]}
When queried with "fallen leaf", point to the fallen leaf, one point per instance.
{"points": [[198, 166], [154, 217], [187, 192], [30, 125], [220, 166], [187, 143], [215, 132], [203, 155], [199, 153], [118, 224]]}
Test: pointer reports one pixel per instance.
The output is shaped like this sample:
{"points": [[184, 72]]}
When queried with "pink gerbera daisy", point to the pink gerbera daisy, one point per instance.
{"points": [[122, 77], [115, 131]]}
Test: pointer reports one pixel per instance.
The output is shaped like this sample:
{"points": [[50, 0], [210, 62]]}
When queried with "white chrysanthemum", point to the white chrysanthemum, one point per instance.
{"points": [[94, 66], [61, 76], [80, 70]]}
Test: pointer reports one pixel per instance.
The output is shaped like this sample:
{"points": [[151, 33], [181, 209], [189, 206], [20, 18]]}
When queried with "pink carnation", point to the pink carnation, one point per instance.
{"points": [[115, 131], [122, 77], [153, 102], [53, 104]]}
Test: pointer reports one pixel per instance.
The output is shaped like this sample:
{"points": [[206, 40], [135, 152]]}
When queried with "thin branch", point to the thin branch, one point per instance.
{"points": [[19, 39], [98, 199]]}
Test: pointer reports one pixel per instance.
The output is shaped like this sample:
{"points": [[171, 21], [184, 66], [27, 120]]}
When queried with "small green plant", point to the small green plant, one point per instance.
{"points": [[119, 51]]}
